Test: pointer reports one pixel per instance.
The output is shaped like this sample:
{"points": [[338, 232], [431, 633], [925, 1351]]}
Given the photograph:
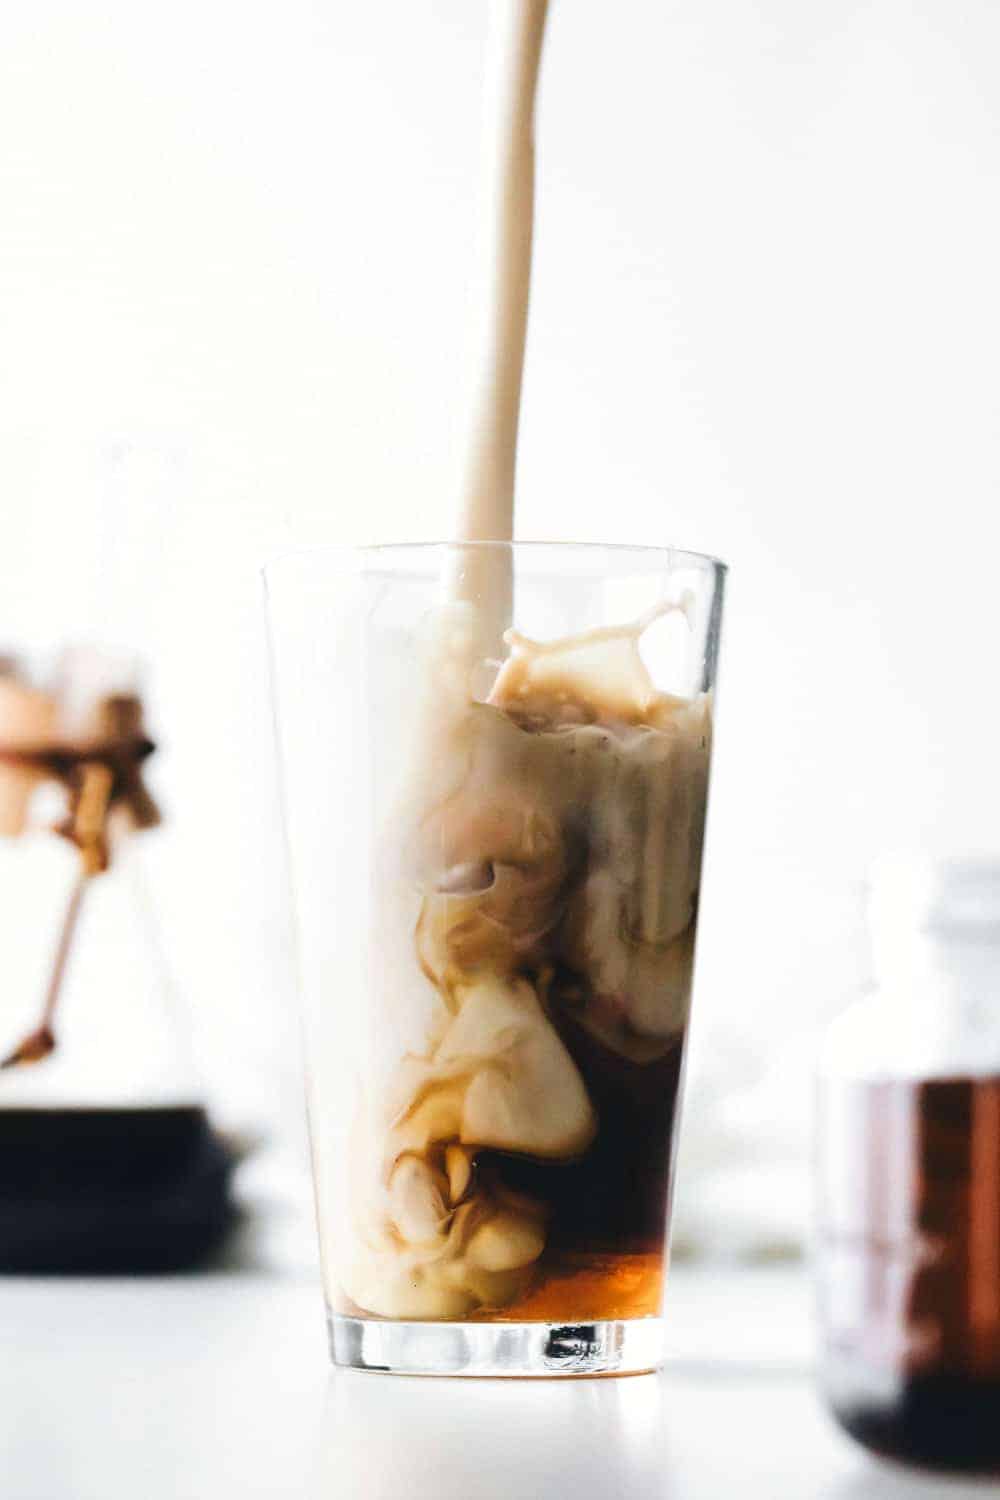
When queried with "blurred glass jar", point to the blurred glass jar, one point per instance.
{"points": [[908, 1247], [107, 1159]]}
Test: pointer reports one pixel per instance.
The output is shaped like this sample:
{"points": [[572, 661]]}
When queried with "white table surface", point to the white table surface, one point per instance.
{"points": [[217, 1386]]}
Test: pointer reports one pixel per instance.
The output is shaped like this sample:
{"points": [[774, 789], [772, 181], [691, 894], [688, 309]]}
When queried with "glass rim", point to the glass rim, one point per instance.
{"points": [[672, 556]]}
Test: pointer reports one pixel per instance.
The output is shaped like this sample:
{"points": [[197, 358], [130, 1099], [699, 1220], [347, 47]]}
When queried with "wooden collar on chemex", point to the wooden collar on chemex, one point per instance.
{"points": [[102, 778]]}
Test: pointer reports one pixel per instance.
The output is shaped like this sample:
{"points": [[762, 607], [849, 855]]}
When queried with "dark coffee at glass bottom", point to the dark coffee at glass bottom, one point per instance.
{"points": [[605, 1247]]}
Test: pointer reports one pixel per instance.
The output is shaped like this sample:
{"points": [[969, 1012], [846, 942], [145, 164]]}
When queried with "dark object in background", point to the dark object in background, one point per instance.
{"points": [[86, 1191], [910, 1266], [908, 1249]]}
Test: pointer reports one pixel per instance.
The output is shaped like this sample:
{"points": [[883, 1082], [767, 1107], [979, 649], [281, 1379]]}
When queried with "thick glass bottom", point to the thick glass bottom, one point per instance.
{"points": [[626, 1346]]}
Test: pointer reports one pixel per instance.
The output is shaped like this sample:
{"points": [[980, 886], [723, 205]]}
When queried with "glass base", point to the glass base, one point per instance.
{"points": [[628, 1346]]}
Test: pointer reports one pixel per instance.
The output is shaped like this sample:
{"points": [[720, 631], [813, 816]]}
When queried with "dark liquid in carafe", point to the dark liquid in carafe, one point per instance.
{"points": [[910, 1266], [111, 1190]]}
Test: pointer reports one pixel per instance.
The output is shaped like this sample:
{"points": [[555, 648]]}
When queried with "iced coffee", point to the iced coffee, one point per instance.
{"points": [[517, 1165], [496, 858]]}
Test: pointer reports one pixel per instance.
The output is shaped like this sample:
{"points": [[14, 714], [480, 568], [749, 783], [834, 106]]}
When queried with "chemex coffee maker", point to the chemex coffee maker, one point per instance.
{"points": [[108, 1162]]}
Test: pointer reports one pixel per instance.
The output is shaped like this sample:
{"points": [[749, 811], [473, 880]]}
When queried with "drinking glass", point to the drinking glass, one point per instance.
{"points": [[494, 847]]}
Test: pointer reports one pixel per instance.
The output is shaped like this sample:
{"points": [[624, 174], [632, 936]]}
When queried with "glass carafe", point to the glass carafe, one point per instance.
{"points": [[107, 1159]]}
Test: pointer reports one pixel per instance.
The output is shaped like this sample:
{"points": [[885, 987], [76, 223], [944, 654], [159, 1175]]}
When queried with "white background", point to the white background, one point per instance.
{"points": [[234, 246]]}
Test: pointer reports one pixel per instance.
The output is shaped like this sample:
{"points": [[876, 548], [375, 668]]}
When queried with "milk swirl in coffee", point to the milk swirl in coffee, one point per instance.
{"points": [[554, 838]]}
